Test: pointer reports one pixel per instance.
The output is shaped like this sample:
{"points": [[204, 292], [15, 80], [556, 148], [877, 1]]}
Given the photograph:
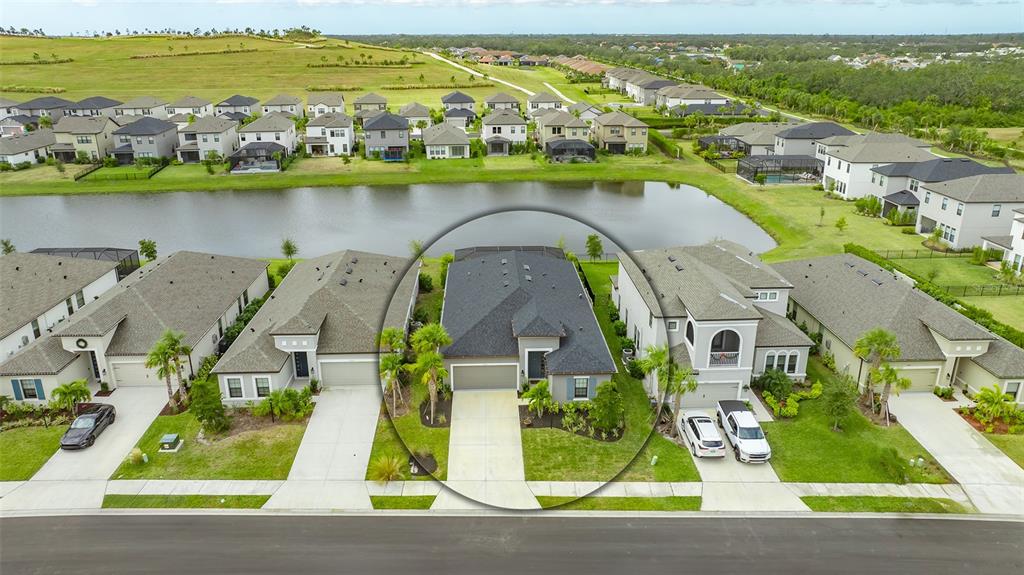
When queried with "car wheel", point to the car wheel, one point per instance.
{"points": [[92, 440], [736, 454]]}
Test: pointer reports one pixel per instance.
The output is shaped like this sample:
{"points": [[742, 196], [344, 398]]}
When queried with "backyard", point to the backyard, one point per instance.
{"points": [[129, 172], [26, 449]]}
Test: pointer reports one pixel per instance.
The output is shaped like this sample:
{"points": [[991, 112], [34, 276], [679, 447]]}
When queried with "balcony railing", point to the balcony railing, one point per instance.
{"points": [[724, 359]]}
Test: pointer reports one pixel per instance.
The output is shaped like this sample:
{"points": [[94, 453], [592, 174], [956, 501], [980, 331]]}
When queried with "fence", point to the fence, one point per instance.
{"points": [[922, 253], [983, 290], [83, 173], [721, 167], [126, 175]]}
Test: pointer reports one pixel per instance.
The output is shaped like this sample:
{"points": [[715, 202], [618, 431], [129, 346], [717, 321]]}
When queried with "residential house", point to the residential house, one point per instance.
{"points": [[444, 141], [458, 101], [520, 315], [126, 259], [502, 101], [732, 109], [801, 140], [386, 136], [585, 111], [320, 103], [94, 106], [683, 95], [719, 310], [569, 150], [460, 118], [191, 106], [418, 116], [41, 291], [273, 127], [559, 124], [148, 137], [28, 147], [91, 135], [502, 130], [749, 138], [258, 157], [237, 104], [533, 61], [617, 78], [143, 106], [1012, 244], [8, 108], [898, 183], [18, 124], [290, 106], [847, 169], [619, 133], [542, 101], [646, 92], [939, 347], [205, 137], [967, 209], [330, 135], [44, 106], [370, 103], [322, 323], [198, 295]]}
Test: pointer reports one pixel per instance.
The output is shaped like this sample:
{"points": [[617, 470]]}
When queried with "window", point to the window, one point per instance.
{"points": [[28, 389], [80, 298], [151, 140], [580, 387], [220, 326], [996, 208], [206, 138], [234, 387], [959, 209], [872, 177], [689, 332], [262, 386], [913, 185], [672, 325], [71, 308], [791, 364], [945, 203], [927, 197], [1012, 389], [83, 140], [769, 361], [216, 137], [35, 328], [277, 136], [245, 296], [881, 181], [382, 134]]}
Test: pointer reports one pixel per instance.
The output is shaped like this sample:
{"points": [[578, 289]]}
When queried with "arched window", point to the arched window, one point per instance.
{"points": [[725, 348], [689, 332], [769, 361]]}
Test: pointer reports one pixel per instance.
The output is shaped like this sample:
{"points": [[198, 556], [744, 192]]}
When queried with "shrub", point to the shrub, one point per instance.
{"points": [[619, 327], [943, 392], [386, 468], [136, 457], [813, 393], [829, 360], [607, 409], [613, 313], [775, 382], [284, 267], [426, 283], [573, 419], [626, 343], [207, 406], [206, 366], [635, 370], [539, 398], [285, 404], [868, 206]]}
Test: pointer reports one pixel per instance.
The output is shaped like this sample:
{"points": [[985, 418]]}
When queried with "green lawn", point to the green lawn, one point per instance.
{"points": [[187, 172], [620, 503], [869, 504], [129, 173], [407, 434], [950, 271], [1011, 444], [260, 454], [805, 449], [24, 450], [184, 501], [402, 502], [1007, 309], [556, 455]]}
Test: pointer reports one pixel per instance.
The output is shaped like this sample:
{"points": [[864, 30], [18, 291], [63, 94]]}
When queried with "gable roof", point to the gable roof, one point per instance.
{"points": [[385, 121], [343, 295], [20, 143], [190, 102], [655, 83], [284, 100], [142, 102], [501, 98], [459, 113], [331, 120], [814, 131], [874, 138], [326, 98], [618, 118], [234, 116], [414, 110], [939, 169], [94, 103], [238, 100], [542, 98], [871, 152], [44, 103], [457, 97], [583, 107], [983, 188], [146, 126], [371, 98], [561, 118], [504, 117], [688, 92], [82, 124], [494, 295], [444, 134], [272, 122], [209, 125]]}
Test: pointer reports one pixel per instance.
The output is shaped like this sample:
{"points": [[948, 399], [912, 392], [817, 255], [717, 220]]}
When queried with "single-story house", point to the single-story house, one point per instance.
{"points": [[28, 147], [749, 138], [127, 259], [683, 95], [727, 110], [330, 135], [444, 141]]}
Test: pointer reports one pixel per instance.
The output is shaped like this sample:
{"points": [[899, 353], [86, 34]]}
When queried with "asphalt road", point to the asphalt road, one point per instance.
{"points": [[521, 545]]}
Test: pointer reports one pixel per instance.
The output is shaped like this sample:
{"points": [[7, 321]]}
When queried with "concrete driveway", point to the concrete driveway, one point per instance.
{"points": [[992, 480], [485, 453]]}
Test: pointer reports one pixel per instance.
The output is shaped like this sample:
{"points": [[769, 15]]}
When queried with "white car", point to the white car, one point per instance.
{"points": [[701, 434]]}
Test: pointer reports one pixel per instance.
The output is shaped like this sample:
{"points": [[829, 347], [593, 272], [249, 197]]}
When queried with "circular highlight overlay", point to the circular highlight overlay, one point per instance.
{"points": [[512, 371]]}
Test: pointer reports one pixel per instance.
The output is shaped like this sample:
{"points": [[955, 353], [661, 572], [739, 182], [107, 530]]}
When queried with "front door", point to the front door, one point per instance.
{"points": [[301, 364], [95, 365], [535, 365]]}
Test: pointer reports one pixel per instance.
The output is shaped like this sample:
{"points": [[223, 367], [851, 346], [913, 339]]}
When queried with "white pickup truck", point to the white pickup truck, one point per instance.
{"points": [[743, 432]]}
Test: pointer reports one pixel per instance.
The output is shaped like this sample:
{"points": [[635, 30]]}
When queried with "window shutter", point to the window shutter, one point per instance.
{"points": [[39, 390], [17, 390], [570, 388], [592, 387]]}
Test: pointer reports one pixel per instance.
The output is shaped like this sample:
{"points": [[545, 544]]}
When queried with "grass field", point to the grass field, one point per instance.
{"points": [[1007, 309], [402, 502], [868, 504], [24, 450], [620, 503], [951, 271], [184, 501]]}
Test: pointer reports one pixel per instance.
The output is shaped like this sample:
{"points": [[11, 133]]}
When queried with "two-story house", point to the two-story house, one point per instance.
{"points": [[368, 105], [44, 106], [458, 101], [207, 137], [91, 135], [330, 135], [557, 125], [418, 116], [8, 108], [386, 137], [147, 106], [542, 101], [967, 209], [619, 133], [290, 106], [273, 127], [801, 139], [645, 92], [719, 310], [320, 103], [237, 107], [146, 137], [502, 131], [847, 169], [501, 101], [898, 184], [93, 106], [191, 106], [1011, 244]]}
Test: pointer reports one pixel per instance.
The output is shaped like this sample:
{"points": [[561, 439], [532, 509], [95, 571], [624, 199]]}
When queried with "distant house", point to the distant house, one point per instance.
{"points": [[237, 104], [8, 108], [968, 209], [458, 101], [330, 135], [51, 106], [283, 103], [730, 110], [29, 147], [191, 106], [502, 101], [619, 133], [898, 184], [460, 117], [205, 136], [18, 124], [146, 106], [93, 135], [1012, 244], [273, 127], [585, 111], [444, 141], [416, 114], [533, 61], [686, 94], [320, 103], [386, 136], [646, 91], [801, 140], [502, 130], [557, 125], [148, 137], [370, 103], [542, 100], [94, 106], [849, 160]]}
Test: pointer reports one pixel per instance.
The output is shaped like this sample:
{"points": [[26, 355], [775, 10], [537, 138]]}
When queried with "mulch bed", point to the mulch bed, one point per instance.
{"points": [[104, 393], [422, 464], [554, 421], [999, 426], [443, 408]]}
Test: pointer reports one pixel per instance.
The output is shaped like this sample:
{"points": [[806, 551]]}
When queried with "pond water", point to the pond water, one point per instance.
{"points": [[379, 218]]}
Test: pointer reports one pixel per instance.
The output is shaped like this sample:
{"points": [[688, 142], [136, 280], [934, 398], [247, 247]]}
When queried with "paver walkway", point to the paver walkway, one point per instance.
{"points": [[992, 480]]}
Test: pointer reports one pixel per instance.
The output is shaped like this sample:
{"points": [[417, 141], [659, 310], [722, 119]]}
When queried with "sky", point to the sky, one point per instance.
{"points": [[527, 16]]}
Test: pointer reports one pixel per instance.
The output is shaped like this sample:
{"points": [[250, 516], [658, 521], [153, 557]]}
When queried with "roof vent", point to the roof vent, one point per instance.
{"points": [[170, 282], [863, 273], [504, 261], [876, 282], [343, 282], [66, 277], [671, 258], [317, 268], [580, 296], [504, 272], [679, 267], [849, 265], [348, 270], [526, 267], [506, 283], [529, 278], [355, 260]]}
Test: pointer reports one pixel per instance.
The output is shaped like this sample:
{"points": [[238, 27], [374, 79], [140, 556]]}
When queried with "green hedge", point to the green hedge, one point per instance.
{"points": [[982, 316], [668, 148]]}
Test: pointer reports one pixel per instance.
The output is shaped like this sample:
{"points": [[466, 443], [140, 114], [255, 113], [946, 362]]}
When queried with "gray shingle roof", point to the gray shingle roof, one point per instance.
{"points": [[871, 152], [457, 97], [239, 100], [332, 120], [543, 98], [655, 83], [444, 134], [94, 103], [1003, 359], [583, 107], [45, 103], [902, 198], [371, 98], [33, 283], [385, 121], [504, 117], [142, 102], [326, 98], [81, 124], [21, 143], [272, 122], [535, 292], [939, 169], [146, 126], [983, 188], [209, 125], [814, 131], [190, 102], [44, 356], [501, 98], [284, 100], [312, 298], [414, 110], [688, 92], [561, 118], [618, 118], [777, 331]]}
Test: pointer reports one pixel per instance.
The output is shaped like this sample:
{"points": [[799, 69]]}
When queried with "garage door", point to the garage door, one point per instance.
{"points": [[334, 373], [709, 394], [920, 379], [485, 376], [136, 374]]}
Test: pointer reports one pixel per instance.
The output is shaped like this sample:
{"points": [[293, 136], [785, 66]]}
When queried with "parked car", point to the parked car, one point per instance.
{"points": [[88, 426], [743, 432], [701, 434]]}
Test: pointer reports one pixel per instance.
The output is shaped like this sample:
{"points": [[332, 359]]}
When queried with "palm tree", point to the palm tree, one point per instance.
{"points": [[391, 365], [656, 361], [888, 377], [160, 358], [426, 342], [679, 382], [67, 396], [176, 347], [392, 339], [877, 347]]}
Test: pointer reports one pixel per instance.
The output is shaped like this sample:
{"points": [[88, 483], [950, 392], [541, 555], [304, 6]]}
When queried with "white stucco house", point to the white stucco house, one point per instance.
{"points": [[191, 106], [501, 130], [848, 168], [320, 103], [968, 209], [238, 105], [542, 101], [273, 127], [29, 147], [801, 139], [330, 135], [143, 106], [206, 135], [284, 104]]}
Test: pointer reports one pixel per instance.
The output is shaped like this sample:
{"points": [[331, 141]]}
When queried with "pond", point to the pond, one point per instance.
{"points": [[380, 218]]}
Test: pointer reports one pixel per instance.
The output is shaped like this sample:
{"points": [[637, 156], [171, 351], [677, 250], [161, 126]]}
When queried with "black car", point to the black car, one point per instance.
{"points": [[88, 426]]}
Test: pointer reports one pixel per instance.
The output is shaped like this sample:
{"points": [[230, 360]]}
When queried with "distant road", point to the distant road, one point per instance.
{"points": [[559, 94], [520, 545], [475, 73]]}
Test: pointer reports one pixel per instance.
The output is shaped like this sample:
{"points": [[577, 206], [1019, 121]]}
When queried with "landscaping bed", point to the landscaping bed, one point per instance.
{"points": [[554, 420], [402, 502], [184, 501], [442, 412], [398, 436], [870, 504], [620, 503]]}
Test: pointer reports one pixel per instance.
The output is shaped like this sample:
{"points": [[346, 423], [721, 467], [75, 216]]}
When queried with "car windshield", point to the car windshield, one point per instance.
{"points": [[83, 423], [750, 433]]}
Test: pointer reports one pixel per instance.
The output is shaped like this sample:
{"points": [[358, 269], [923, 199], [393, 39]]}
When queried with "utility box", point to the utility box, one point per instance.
{"points": [[170, 443]]}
